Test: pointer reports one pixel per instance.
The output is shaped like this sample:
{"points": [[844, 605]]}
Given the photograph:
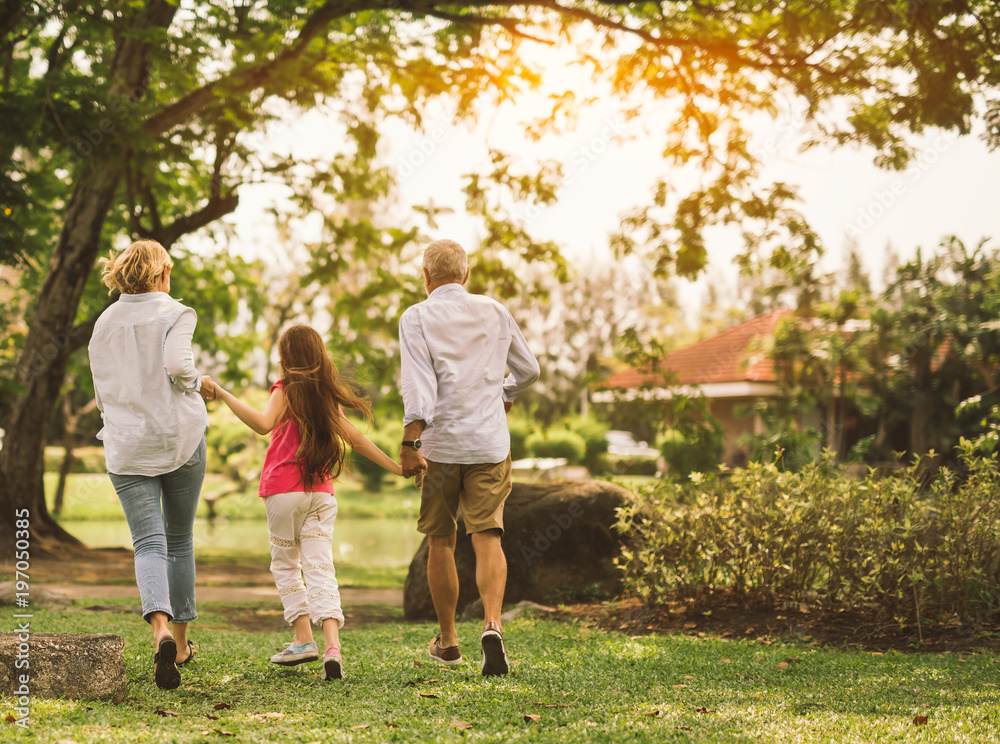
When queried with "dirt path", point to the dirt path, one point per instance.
{"points": [[349, 595]]}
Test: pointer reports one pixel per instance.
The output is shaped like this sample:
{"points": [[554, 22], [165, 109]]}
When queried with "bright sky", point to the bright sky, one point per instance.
{"points": [[611, 165]]}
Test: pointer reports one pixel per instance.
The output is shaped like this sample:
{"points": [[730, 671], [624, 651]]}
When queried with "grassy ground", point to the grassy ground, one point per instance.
{"points": [[582, 684], [91, 496]]}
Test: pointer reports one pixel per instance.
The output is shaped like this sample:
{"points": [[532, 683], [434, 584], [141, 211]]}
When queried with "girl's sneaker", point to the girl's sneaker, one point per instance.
{"points": [[293, 654], [333, 665]]}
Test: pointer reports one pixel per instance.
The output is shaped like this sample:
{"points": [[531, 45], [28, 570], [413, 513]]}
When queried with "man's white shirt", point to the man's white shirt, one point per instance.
{"points": [[462, 357]]}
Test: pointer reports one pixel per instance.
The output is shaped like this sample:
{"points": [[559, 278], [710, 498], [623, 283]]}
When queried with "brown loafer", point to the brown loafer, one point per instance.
{"points": [[446, 655], [495, 662]]}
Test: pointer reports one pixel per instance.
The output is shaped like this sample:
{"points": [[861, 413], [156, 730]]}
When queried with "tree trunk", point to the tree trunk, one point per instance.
{"points": [[64, 468], [42, 367]]}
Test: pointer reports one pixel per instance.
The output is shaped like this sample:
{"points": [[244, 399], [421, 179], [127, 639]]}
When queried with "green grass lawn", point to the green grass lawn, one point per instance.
{"points": [[585, 685], [91, 496]]}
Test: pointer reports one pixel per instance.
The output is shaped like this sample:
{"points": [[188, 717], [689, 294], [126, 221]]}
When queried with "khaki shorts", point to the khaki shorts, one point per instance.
{"points": [[480, 490]]}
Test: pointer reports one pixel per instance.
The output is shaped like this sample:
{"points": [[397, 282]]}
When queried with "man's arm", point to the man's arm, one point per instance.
{"points": [[419, 388], [522, 365]]}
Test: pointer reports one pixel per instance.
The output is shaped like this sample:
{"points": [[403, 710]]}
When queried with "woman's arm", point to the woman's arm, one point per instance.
{"points": [[364, 446], [178, 357], [261, 422]]}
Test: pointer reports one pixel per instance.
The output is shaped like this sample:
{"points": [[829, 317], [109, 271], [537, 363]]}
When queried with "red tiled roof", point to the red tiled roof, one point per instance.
{"points": [[728, 356]]}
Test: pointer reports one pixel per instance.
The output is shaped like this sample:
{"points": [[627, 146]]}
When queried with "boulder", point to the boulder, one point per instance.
{"points": [[558, 540], [80, 666]]}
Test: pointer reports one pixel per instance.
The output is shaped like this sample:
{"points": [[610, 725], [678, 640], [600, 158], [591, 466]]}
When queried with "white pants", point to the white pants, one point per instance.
{"points": [[300, 528]]}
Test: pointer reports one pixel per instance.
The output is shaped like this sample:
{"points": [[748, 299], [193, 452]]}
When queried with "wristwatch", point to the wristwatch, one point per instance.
{"points": [[415, 444]]}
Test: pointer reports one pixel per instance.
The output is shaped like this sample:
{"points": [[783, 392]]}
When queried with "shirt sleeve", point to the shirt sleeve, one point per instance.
{"points": [[521, 364], [178, 356], [418, 380]]}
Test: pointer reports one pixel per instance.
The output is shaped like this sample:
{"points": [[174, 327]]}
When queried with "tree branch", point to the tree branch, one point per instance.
{"points": [[510, 24], [255, 76], [212, 211]]}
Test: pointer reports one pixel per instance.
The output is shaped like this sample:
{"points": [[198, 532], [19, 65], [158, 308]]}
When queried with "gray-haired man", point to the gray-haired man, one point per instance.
{"points": [[464, 361]]}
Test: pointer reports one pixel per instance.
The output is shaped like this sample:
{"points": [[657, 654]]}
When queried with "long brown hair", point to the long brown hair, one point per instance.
{"points": [[315, 392]]}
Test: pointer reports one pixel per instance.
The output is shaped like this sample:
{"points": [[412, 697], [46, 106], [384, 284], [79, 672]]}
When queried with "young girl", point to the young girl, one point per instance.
{"points": [[305, 456]]}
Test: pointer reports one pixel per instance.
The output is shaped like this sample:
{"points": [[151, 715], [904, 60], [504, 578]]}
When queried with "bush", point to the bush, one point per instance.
{"points": [[630, 465], [386, 440], [697, 450], [558, 443], [520, 430], [85, 460], [595, 438], [908, 553]]}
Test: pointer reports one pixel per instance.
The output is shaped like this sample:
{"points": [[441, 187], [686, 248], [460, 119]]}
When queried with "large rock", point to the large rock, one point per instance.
{"points": [[558, 537], [80, 666]]}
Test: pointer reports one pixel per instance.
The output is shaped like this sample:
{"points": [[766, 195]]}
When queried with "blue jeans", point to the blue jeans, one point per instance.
{"points": [[160, 512]]}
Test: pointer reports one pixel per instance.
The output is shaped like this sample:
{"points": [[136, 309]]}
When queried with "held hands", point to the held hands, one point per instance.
{"points": [[209, 390], [411, 462]]}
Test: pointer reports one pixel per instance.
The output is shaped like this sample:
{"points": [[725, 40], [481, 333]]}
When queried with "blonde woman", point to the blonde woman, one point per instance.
{"points": [[148, 392]]}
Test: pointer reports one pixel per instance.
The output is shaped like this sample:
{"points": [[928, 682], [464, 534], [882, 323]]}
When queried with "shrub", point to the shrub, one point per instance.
{"points": [[630, 465], [386, 440], [520, 430], [85, 460], [885, 544], [595, 438], [697, 449], [558, 443]]}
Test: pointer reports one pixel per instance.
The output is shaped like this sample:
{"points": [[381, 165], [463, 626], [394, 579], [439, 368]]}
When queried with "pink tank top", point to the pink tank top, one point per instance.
{"points": [[281, 473]]}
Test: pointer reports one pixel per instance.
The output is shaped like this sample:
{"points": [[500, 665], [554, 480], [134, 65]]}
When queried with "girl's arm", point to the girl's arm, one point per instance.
{"points": [[364, 446], [261, 422]]}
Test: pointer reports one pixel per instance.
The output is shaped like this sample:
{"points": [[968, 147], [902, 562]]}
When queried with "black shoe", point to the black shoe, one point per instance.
{"points": [[165, 673], [495, 663]]}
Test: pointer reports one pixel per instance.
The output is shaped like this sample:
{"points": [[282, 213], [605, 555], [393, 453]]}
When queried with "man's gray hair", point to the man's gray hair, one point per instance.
{"points": [[446, 262]]}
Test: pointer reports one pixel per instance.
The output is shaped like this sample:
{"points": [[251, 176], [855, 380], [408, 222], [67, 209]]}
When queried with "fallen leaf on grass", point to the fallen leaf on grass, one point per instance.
{"points": [[428, 695], [654, 713], [529, 717], [10, 718], [211, 717], [725, 661], [417, 663], [397, 638], [783, 665], [688, 676], [390, 724], [920, 721], [220, 732], [431, 681], [222, 706], [679, 687], [988, 684], [683, 728], [461, 725], [165, 712], [558, 705], [793, 660], [361, 726], [271, 715], [703, 709]]}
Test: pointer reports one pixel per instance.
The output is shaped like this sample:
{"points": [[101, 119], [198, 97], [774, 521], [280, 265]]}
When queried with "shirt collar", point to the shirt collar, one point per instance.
{"points": [[144, 297], [450, 288]]}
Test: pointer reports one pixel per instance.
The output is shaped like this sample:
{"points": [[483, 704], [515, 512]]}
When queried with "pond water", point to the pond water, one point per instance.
{"points": [[360, 542]]}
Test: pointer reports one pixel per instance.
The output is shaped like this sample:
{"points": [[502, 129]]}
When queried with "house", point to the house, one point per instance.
{"points": [[733, 369]]}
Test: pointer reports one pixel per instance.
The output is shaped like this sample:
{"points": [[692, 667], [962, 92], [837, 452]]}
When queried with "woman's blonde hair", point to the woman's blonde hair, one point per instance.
{"points": [[137, 269]]}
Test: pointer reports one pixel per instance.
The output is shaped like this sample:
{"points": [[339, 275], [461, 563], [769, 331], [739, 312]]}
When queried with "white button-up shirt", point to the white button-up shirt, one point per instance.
{"points": [[454, 348], [147, 385]]}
